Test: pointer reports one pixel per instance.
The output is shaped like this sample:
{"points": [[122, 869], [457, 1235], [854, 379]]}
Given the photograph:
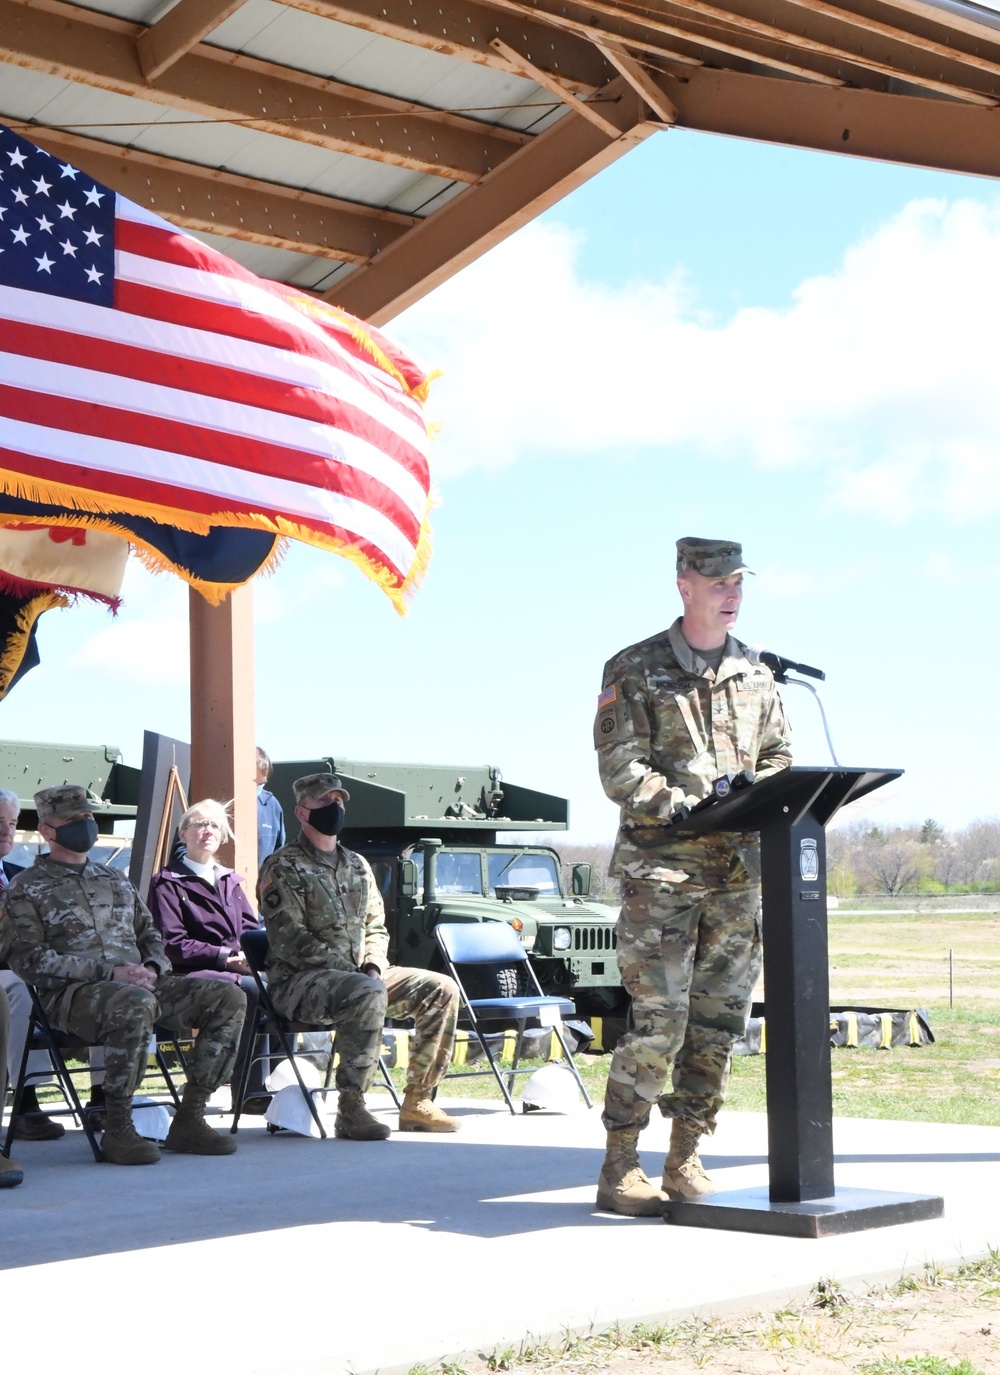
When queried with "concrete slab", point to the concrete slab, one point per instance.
{"points": [[335, 1256]]}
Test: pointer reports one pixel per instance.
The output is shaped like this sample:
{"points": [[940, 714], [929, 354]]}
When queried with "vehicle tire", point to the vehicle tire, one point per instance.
{"points": [[511, 981]]}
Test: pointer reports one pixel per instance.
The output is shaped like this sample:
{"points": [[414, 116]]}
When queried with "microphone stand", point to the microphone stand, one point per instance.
{"points": [[801, 682]]}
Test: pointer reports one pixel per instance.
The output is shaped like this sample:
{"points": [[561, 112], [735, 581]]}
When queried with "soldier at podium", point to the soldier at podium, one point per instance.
{"points": [[676, 712]]}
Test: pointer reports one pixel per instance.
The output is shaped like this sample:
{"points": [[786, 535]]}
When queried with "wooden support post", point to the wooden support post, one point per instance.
{"points": [[223, 743]]}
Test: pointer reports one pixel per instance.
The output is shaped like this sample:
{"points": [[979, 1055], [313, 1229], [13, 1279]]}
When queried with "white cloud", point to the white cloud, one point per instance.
{"points": [[882, 373], [154, 651], [293, 587], [148, 641]]}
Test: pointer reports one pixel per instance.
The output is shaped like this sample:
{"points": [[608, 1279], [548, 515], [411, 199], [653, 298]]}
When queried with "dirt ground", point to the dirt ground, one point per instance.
{"points": [[935, 1324]]}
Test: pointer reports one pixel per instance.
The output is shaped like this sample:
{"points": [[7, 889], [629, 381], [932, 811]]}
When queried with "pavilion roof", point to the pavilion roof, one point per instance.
{"points": [[367, 149]]}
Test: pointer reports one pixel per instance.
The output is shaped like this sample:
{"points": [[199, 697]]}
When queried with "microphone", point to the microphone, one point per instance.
{"points": [[780, 666]]}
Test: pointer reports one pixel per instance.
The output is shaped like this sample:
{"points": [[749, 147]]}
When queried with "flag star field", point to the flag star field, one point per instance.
{"points": [[57, 226]]}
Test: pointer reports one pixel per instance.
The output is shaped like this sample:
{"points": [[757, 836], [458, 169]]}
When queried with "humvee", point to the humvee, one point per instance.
{"points": [[434, 836], [26, 766]]}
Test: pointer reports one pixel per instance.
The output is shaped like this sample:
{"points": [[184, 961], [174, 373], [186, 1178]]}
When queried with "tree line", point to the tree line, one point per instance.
{"points": [[862, 858]]}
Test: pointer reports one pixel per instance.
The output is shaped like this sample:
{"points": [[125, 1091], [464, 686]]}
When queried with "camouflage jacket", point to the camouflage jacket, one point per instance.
{"points": [[322, 911], [62, 925], [667, 727]]}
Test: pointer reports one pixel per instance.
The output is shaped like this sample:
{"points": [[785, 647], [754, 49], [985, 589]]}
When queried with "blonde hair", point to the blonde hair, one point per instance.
{"points": [[208, 810]]}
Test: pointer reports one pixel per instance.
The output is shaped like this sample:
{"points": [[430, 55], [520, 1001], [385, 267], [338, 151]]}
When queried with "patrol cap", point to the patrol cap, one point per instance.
{"points": [[317, 785], [59, 804], [712, 558]]}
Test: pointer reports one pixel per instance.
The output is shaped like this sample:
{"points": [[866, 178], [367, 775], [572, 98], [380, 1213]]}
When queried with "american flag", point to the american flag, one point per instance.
{"points": [[143, 372]]}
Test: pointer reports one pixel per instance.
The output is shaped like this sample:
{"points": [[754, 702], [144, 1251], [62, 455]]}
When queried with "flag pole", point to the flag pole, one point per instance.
{"points": [[223, 735]]}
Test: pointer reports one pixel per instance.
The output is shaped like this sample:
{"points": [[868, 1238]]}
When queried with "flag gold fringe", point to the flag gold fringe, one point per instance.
{"points": [[17, 643], [94, 513], [360, 333]]}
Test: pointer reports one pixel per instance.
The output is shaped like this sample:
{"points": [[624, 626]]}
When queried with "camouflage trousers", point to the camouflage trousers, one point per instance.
{"points": [[690, 961], [121, 1018], [356, 1007], [432, 1001]]}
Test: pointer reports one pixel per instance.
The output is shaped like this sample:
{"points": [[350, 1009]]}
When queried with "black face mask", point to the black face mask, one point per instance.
{"points": [[77, 836], [328, 820]]}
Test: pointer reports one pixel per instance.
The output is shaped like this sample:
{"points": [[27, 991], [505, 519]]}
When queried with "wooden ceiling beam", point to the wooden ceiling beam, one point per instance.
{"points": [[180, 30], [534, 178], [526, 67], [952, 18], [914, 40], [916, 130], [641, 81], [80, 46], [220, 203], [465, 29], [894, 60], [739, 24], [646, 26]]}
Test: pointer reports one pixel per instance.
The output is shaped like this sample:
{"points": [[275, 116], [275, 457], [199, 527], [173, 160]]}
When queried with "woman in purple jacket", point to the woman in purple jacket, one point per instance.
{"points": [[202, 912]]}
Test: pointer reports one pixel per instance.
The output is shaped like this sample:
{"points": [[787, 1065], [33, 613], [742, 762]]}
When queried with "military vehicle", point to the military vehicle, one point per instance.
{"points": [[434, 837], [27, 766]]}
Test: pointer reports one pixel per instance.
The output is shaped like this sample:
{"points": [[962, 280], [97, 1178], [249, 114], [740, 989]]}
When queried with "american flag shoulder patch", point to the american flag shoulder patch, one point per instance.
{"points": [[608, 697]]}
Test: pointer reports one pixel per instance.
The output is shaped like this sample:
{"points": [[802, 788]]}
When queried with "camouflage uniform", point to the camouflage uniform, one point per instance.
{"points": [[65, 928], [689, 934], [325, 921]]}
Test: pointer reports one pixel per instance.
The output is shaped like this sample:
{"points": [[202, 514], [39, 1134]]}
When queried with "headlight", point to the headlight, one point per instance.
{"points": [[561, 938]]}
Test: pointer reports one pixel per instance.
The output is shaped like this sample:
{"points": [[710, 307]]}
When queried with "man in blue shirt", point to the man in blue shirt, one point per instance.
{"points": [[270, 818]]}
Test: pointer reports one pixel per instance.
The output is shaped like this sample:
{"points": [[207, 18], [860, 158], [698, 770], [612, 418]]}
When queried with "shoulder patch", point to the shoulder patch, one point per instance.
{"points": [[272, 898], [610, 723]]}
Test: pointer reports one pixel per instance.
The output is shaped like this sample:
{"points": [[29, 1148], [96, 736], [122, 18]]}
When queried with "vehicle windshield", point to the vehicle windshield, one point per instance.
{"points": [[459, 873], [524, 870], [113, 850], [456, 873]]}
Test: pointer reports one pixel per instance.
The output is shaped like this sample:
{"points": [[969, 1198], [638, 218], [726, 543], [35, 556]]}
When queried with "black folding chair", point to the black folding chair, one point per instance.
{"points": [[493, 944], [42, 1035], [271, 1022]]}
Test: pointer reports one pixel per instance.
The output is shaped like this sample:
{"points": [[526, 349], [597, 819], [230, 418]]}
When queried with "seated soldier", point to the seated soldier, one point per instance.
{"points": [[328, 943], [80, 933]]}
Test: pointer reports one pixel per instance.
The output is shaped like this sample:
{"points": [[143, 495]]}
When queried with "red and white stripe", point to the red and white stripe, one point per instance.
{"points": [[206, 392]]}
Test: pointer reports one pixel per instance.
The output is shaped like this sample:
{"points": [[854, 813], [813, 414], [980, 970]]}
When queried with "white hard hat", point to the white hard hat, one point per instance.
{"points": [[289, 1109], [283, 1075], [551, 1089], [150, 1119]]}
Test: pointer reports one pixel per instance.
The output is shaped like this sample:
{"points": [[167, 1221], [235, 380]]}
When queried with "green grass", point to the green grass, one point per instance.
{"points": [[957, 1079], [917, 1365], [887, 961]]}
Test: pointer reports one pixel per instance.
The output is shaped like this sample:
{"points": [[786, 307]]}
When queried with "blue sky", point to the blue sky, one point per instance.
{"points": [[712, 338]]}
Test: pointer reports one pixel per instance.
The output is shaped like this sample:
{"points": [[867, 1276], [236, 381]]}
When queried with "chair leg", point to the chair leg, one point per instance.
{"points": [[240, 1093], [518, 1048], [387, 1080], [65, 1079], [306, 1092], [15, 1107], [498, 1076], [164, 1068]]}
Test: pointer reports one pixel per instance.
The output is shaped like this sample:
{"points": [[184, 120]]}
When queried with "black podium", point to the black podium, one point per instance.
{"points": [[790, 809]]}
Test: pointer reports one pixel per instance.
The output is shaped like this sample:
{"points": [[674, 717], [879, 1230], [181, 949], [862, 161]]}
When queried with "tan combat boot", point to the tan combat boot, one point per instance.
{"points": [[354, 1121], [121, 1144], [419, 1114], [190, 1134], [683, 1173], [10, 1172], [622, 1187]]}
